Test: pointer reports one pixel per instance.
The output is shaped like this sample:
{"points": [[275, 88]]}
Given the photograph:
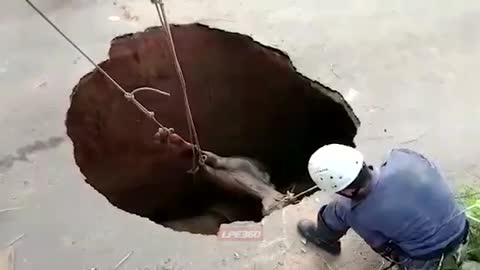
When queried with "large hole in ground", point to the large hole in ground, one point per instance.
{"points": [[247, 100]]}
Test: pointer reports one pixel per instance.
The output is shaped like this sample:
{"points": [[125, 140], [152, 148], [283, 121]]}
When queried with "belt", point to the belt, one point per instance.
{"points": [[451, 247]]}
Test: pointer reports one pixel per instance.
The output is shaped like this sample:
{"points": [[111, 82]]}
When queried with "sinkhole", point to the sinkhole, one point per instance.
{"points": [[247, 100]]}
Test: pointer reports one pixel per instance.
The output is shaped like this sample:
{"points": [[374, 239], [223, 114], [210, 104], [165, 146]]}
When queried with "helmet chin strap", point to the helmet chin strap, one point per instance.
{"points": [[356, 194]]}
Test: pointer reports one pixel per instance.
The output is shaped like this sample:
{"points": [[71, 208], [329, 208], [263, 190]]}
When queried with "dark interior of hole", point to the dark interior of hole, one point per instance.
{"points": [[247, 100]]}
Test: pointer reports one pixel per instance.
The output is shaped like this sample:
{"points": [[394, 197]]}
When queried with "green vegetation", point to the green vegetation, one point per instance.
{"points": [[470, 199], [468, 258]]}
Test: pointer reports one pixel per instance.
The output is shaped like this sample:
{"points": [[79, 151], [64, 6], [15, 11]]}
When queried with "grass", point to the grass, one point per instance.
{"points": [[470, 199]]}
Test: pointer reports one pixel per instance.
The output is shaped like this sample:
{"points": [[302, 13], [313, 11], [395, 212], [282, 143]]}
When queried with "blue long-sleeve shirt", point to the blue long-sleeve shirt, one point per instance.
{"points": [[409, 203]]}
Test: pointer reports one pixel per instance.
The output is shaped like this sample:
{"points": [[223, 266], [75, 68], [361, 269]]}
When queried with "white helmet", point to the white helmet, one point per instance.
{"points": [[333, 167]]}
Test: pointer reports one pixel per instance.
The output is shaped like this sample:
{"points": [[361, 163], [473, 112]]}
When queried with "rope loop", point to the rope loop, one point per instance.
{"points": [[159, 5]]}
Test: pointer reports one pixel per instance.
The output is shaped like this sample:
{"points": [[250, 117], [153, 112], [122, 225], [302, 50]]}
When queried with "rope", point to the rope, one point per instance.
{"points": [[304, 192], [197, 157], [130, 96], [290, 198]]}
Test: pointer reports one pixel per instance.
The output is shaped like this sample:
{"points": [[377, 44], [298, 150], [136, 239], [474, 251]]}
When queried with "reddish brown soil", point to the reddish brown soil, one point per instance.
{"points": [[246, 100]]}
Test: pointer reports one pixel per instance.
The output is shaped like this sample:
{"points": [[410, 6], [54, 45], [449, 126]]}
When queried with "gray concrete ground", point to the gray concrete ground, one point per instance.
{"points": [[408, 68]]}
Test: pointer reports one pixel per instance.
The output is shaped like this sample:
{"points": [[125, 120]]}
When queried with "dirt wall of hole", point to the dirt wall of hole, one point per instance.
{"points": [[247, 100]]}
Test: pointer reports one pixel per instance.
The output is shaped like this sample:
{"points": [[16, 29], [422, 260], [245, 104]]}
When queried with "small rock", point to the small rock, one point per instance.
{"points": [[236, 256], [303, 250], [40, 85], [304, 241], [280, 263]]}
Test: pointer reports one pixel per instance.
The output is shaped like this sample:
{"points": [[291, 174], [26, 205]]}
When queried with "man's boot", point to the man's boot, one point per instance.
{"points": [[319, 236]]}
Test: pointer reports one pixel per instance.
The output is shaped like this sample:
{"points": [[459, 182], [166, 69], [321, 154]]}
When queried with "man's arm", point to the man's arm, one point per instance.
{"points": [[332, 219]]}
